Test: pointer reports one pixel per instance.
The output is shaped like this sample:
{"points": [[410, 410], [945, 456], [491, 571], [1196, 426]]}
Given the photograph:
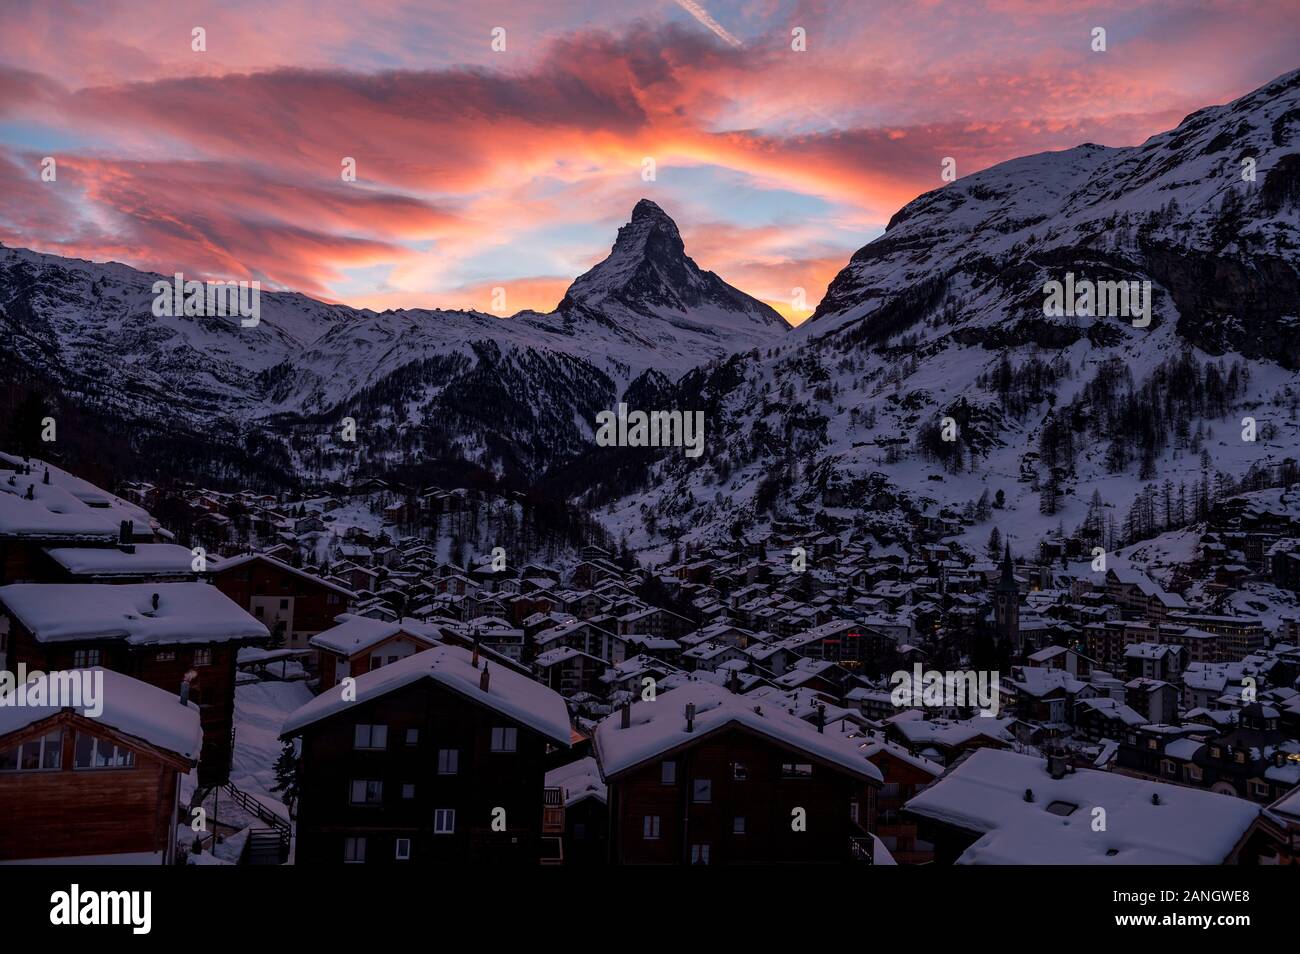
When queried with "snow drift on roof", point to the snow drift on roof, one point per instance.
{"points": [[513, 695], [986, 793], [131, 707], [660, 726], [187, 612]]}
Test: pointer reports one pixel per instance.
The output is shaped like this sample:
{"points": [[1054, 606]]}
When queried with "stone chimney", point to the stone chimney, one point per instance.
{"points": [[125, 530]]}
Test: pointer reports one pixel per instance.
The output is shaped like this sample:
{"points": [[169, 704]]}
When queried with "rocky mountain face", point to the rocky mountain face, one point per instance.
{"points": [[506, 394], [1073, 417]]}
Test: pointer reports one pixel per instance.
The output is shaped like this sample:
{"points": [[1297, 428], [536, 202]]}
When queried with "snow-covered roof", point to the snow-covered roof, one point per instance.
{"points": [[187, 612], [986, 794], [355, 634], [659, 727], [132, 707], [229, 563], [146, 558], [65, 507], [580, 780], [509, 693]]}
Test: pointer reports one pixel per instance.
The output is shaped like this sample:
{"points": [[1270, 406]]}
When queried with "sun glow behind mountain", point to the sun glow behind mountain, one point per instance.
{"points": [[480, 170]]}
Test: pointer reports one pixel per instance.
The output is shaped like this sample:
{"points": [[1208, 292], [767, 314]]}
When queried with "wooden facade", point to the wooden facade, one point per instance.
{"points": [[484, 780], [164, 666], [755, 785], [68, 812], [277, 596]]}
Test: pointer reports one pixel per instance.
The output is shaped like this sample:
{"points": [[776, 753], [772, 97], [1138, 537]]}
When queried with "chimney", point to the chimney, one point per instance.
{"points": [[821, 717], [185, 687], [474, 662], [627, 715], [484, 678], [31, 491], [1057, 765], [690, 717], [46, 480], [154, 601]]}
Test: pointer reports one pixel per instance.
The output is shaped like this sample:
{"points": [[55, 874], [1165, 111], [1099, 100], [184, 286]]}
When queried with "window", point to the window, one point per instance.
{"points": [[444, 821], [284, 604], [85, 658], [408, 791], [1194, 773], [739, 771], [1152, 743], [796, 770], [202, 657], [259, 611], [1216, 752], [412, 736], [354, 851], [504, 739], [403, 849], [650, 827], [668, 773], [370, 737], [34, 755], [699, 854], [1259, 789], [92, 752], [1064, 809], [376, 662], [738, 825], [853, 812], [367, 792], [702, 791], [448, 761], [164, 656]]}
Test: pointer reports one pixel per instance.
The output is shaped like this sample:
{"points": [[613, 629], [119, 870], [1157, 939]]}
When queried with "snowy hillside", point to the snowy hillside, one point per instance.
{"points": [[1072, 419], [516, 392]]}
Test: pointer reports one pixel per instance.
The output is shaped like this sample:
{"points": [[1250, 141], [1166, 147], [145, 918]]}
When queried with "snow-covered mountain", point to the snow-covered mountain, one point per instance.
{"points": [[943, 316], [506, 393]]}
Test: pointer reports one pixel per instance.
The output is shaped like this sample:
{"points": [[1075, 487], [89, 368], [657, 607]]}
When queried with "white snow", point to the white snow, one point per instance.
{"points": [[511, 694], [660, 726], [187, 612], [130, 706], [986, 794]]}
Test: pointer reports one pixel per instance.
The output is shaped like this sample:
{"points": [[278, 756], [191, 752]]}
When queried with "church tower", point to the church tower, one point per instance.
{"points": [[1006, 604]]}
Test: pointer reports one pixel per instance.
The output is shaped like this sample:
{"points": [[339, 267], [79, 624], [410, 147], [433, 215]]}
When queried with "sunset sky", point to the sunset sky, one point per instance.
{"points": [[478, 169]]}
